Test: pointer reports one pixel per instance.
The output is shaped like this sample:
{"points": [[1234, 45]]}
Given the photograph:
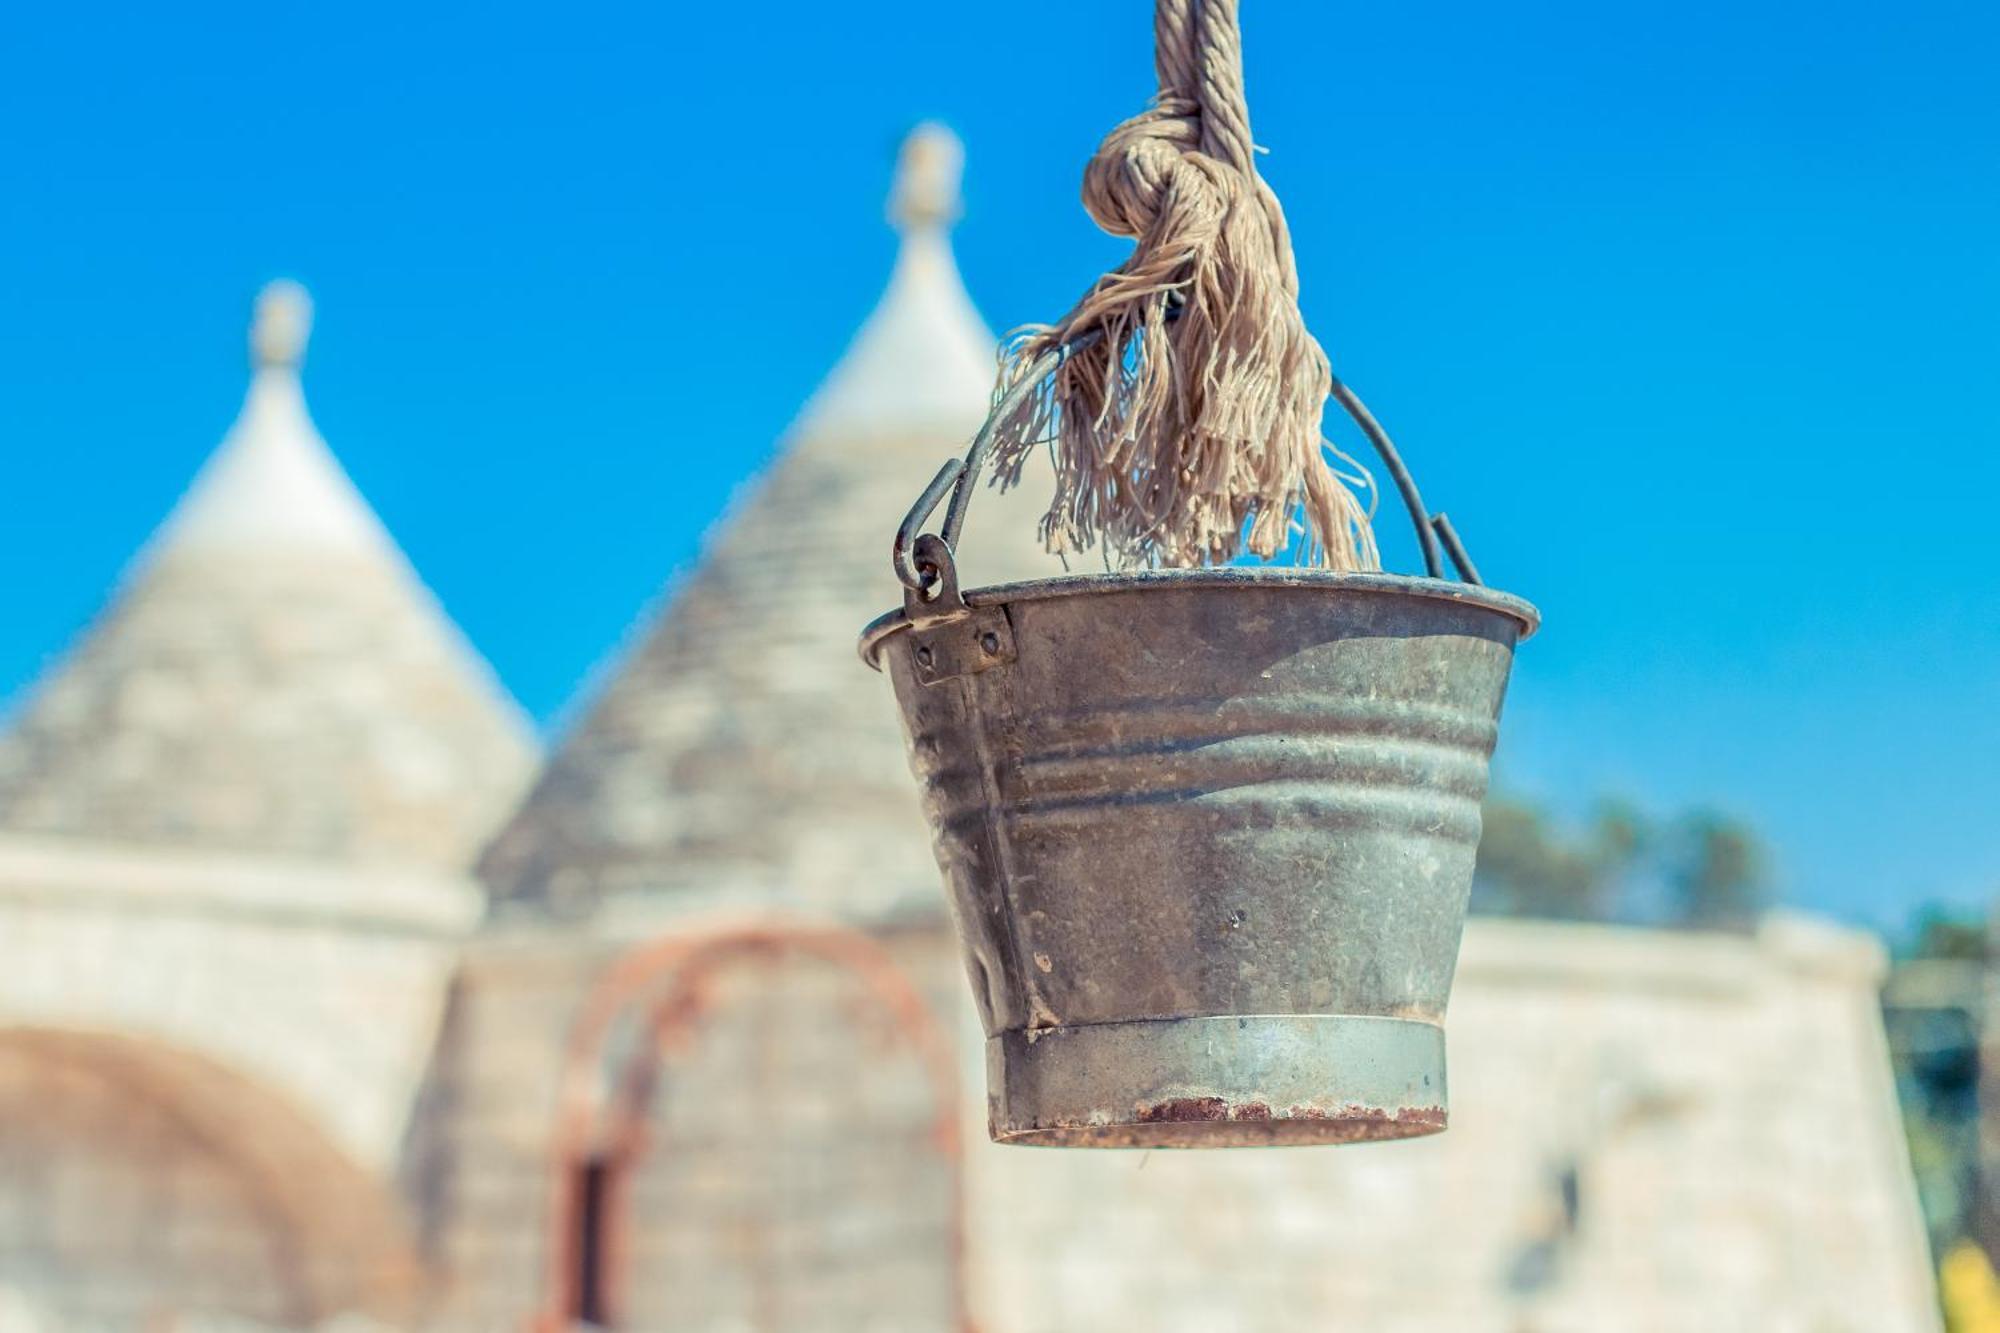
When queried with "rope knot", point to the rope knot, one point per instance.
{"points": [[1186, 427], [1141, 165]]}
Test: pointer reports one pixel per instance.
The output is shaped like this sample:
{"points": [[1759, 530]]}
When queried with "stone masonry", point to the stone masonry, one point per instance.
{"points": [[234, 830]]}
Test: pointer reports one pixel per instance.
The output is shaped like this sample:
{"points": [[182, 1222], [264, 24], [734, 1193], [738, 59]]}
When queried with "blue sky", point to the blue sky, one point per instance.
{"points": [[1689, 313]]}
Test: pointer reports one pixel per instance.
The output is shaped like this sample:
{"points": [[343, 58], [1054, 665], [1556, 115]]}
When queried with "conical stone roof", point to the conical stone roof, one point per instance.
{"points": [[743, 755], [272, 677]]}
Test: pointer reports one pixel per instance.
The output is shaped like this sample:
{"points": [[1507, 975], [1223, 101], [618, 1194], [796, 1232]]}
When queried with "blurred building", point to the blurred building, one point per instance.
{"points": [[236, 823], [698, 1054]]}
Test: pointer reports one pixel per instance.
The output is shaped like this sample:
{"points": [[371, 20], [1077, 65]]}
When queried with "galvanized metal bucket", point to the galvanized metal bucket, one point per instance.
{"points": [[1208, 835]]}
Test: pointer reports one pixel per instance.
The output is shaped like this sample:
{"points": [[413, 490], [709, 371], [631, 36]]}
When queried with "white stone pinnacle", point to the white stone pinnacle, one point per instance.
{"points": [[282, 325], [924, 357], [274, 484], [928, 174]]}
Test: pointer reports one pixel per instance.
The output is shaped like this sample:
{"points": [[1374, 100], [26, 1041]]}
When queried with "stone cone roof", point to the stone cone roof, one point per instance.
{"points": [[743, 755], [272, 677]]}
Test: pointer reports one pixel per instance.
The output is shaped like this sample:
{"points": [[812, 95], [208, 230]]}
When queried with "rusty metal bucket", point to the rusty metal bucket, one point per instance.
{"points": [[1208, 835]]}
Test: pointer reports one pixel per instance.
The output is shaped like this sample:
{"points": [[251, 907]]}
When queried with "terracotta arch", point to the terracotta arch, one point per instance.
{"points": [[670, 977], [337, 1232]]}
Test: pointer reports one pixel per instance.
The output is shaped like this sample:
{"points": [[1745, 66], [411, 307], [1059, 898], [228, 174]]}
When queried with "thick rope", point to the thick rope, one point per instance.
{"points": [[1190, 429]]}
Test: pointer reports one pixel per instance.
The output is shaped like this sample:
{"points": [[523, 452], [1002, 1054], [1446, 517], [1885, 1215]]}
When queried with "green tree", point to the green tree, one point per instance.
{"points": [[1530, 867], [1941, 933], [1716, 871]]}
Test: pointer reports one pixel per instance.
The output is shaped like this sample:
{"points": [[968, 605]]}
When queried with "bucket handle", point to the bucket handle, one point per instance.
{"points": [[924, 565]]}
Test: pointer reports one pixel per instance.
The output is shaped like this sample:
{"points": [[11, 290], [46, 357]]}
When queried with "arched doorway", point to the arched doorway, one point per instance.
{"points": [[759, 1131], [143, 1188]]}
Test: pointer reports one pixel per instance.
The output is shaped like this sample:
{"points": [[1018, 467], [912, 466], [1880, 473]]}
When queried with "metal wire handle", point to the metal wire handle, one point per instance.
{"points": [[922, 575]]}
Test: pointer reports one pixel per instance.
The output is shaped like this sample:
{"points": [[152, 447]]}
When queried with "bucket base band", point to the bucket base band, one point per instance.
{"points": [[1231, 1081]]}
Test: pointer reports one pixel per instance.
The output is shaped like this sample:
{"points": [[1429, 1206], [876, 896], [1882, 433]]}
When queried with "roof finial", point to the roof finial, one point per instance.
{"points": [[927, 176], [283, 323]]}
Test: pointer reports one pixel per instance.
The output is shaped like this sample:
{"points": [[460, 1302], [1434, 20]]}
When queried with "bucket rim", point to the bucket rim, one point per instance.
{"points": [[879, 630]]}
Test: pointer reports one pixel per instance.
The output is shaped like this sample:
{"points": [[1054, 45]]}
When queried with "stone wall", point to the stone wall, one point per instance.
{"points": [[789, 1175], [1649, 1130], [487, 1139], [120, 1211], [780, 1167], [244, 1038], [321, 984]]}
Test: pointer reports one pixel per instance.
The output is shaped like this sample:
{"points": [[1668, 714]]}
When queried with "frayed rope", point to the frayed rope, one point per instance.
{"points": [[1187, 430]]}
